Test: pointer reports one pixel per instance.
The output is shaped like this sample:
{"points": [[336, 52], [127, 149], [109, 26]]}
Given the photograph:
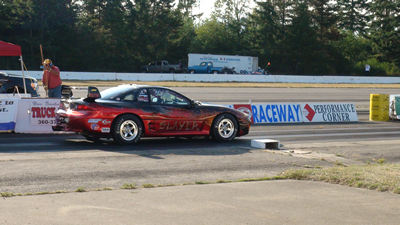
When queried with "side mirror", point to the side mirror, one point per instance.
{"points": [[194, 103]]}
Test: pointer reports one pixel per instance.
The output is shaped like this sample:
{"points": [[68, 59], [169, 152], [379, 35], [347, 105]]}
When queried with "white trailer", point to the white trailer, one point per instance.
{"points": [[241, 63]]}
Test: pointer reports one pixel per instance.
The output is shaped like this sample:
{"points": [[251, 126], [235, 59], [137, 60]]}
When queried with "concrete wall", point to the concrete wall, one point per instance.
{"points": [[216, 78]]}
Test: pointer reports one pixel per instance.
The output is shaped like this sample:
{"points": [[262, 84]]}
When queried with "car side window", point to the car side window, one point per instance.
{"points": [[143, 96], [129, 97], [167, 97]]}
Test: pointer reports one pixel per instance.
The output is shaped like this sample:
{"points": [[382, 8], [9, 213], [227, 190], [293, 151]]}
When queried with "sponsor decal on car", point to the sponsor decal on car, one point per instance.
{"points": [[94, 120], [179, 125], [105, 130], [106, 122], [94, 126]]}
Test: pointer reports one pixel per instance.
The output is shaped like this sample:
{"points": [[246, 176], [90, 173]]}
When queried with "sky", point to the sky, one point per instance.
{"points": [[205, 7]]}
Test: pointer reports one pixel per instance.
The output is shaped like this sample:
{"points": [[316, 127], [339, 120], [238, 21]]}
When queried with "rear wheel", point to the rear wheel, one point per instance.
{"points": [[224, 128], [127, 129]]}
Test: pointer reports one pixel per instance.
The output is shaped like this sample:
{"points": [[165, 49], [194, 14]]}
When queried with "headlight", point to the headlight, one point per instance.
{"points": [[246, 111]]}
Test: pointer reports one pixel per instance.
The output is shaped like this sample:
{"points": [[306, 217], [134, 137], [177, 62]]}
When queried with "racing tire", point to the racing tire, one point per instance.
{"points": [[224, 128], [127, 129], [215, 72]]}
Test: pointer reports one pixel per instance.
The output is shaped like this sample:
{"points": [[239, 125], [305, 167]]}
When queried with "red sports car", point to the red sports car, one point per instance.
{"points": [[128, 112]]}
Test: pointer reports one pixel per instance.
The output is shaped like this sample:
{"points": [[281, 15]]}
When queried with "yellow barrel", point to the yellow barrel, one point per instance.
{"points": [[379, 107]]}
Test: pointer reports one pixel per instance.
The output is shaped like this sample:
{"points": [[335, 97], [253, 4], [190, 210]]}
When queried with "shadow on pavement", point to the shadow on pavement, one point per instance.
{"points": [[147, 147]]}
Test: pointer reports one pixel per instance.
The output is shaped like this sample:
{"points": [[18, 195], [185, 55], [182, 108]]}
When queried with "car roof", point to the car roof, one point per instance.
{"points": [[136, 86], [16, 75]]}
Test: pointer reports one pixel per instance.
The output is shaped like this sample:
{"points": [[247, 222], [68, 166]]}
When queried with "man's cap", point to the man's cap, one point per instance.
{"points": [[47, 62]]}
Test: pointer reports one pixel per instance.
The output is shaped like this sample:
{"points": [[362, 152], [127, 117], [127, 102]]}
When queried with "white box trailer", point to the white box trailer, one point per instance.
{"points": [[241, 63]]}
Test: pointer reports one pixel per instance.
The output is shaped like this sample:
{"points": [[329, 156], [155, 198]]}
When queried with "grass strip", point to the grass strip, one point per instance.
{"points": [[381, 177], [374, 176]]}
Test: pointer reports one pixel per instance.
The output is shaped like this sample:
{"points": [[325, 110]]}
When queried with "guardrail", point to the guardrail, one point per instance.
{"points": [[65, 75]]}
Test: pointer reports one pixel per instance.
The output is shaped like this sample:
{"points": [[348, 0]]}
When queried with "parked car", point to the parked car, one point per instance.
{"points": [[10, 83], [163, 67], [128, 112], [208, 67]]}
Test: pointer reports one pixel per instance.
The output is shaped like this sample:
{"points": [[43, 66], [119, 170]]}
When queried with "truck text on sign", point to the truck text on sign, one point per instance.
{"points": [[43, 112]]}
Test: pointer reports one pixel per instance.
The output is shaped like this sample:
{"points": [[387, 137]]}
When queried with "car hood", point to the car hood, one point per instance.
{"points": [[211, 104]]}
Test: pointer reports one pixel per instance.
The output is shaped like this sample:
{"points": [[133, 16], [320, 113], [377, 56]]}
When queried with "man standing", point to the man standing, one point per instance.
{"points": [[51, 79], [367, 69]]}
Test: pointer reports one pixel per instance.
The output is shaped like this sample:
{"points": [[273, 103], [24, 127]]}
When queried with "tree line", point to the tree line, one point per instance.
{"points": [[296, 36]]}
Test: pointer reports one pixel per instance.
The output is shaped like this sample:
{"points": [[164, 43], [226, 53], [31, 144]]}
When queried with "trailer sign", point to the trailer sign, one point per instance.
{"points": [[239, 63]]}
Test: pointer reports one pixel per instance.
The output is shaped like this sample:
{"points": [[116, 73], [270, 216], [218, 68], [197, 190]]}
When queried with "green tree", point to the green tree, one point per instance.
{"points": [[212, 37], [353, 15], [302, 43], [384, 29], [233, 14], [264, 33], [186, 7], [325, 19]]}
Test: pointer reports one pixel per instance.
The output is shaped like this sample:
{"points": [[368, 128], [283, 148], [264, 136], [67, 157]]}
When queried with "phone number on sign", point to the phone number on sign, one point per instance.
{"points": [[46, 122]]}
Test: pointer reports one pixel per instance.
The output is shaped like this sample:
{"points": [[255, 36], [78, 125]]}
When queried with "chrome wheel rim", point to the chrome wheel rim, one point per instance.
{"points": [[226, 128], [128, 130]]}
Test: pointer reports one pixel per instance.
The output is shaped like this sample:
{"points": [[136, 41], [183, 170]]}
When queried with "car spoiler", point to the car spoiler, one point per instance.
{"points": [[93, 94]]}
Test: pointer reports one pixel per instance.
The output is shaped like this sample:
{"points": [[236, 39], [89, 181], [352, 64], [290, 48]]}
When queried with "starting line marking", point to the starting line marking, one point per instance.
{"points": [[265, 144]]}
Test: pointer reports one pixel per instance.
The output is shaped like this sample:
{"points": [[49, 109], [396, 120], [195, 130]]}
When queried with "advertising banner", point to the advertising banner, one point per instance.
{"points": [[44, 112], [36, 115], [8, 113], [246, 108], [329, 112], [277, 113]]}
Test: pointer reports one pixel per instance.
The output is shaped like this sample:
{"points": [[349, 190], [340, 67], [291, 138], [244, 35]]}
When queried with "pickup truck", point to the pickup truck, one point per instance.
{"points": [[208, 67], [162, 67], [10, 82]]}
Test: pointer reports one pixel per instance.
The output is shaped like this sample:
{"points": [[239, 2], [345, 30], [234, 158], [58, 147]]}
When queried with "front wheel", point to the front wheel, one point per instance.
{"points": [[127, 129], [224, 128]]}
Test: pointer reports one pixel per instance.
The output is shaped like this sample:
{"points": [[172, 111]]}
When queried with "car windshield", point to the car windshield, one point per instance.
{"points": [[115, 92]]}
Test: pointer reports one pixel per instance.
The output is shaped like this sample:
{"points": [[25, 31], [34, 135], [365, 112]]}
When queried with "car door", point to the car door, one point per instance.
{"points": [[173, 113], [203, 67]]}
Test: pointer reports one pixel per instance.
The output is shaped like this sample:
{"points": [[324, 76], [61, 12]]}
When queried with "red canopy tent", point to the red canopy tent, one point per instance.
{"points": [[8, 49]]}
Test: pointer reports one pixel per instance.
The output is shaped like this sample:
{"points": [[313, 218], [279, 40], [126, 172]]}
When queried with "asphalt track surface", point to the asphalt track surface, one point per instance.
{"points": [[39, 163]]}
